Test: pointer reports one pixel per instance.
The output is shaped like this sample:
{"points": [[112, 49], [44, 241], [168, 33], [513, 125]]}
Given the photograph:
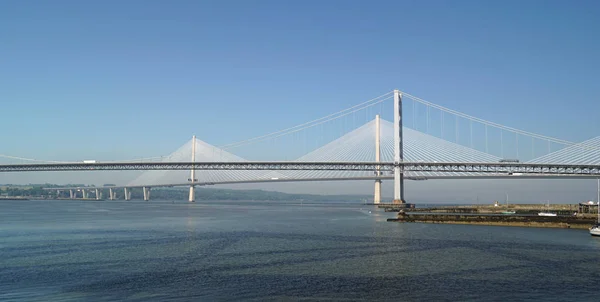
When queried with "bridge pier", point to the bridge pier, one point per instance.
{"points": [[146, 193], [111, 195], [84, 193], [192, 196], [398, 152], [127, 194], [71, 195], [377, 194], [98, 196]]}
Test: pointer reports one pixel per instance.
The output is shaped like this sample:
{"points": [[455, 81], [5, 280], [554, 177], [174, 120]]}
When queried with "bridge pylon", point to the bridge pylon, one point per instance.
{"points": [[398, 150], [377, 195], [192, 196]]}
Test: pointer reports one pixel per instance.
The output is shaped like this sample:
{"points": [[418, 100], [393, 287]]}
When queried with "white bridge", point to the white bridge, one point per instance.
{"points": [[434, 143]]}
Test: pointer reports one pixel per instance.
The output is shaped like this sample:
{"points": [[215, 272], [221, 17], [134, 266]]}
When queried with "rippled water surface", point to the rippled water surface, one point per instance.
{"points": [[159, 251]]}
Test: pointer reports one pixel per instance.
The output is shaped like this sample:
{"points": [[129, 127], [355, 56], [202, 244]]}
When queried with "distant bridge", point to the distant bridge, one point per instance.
{"points": [[146, 188], [279, 180]]}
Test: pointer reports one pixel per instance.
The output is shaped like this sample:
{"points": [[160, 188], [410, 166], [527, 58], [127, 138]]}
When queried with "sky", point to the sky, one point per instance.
{"points": [[113, 80]]}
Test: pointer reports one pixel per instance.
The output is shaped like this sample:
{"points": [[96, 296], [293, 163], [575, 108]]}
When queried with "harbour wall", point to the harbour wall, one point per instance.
{"points": [[574, 222]]}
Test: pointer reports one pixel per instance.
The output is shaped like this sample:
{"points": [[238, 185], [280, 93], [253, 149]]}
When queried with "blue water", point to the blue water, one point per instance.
{"points": [[269, 251]]}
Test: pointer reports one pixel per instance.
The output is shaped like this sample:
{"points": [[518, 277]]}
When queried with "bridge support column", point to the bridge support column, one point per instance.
{"points": [[377, 195], [111, 195], [71, 195], [192, 196], [84, 193], [146, 193], [398, 152], [98, 194], [127, 194]]}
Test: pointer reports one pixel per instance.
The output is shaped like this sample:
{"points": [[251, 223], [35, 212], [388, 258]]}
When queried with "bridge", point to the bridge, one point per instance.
{"points": [[430, 142], [453, 167], [146, 188]]}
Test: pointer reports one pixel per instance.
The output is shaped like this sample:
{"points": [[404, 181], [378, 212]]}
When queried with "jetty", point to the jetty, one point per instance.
{"points": [[522, 215]]}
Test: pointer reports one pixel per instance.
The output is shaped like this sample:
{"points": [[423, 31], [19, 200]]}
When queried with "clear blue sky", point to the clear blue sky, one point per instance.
{"points": [[126, 79]]}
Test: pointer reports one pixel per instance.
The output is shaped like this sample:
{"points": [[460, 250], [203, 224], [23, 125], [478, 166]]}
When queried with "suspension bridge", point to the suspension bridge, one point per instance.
{"points": [[423, 141]]}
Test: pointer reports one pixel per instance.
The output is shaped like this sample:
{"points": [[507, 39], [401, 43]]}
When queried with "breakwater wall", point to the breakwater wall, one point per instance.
{"points": [[574, 222]]}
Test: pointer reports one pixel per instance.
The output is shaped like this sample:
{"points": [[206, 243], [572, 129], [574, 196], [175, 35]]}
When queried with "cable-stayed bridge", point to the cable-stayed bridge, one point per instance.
{"points": [[424, 141]]}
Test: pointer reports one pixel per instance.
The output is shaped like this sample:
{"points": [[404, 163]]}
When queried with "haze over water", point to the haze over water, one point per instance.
{"points": [[158, 250]]}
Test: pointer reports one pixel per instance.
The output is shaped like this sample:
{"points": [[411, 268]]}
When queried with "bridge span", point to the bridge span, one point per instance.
{"points": [[449, 167], [146, 188], [413, 178]]}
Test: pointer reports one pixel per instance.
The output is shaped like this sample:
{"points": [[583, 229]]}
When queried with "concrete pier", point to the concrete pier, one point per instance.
{"points": [[98, 195], [127, 194], [111, 193], [498, 220], [522, 215], [192, 196], [71, 195], [146, 193]]}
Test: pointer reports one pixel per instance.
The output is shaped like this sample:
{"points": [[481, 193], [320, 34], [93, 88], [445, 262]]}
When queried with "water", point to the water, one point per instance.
{"points": [[163, 251]]}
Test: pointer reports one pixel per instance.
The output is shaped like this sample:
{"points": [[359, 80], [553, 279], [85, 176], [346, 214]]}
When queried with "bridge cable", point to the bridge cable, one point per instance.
{"points": [[313, 122], [307, 125], [486, 122]]}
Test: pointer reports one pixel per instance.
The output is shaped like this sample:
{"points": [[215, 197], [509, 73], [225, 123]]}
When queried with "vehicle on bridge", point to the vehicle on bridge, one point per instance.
{"points": [[508, 160]]}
